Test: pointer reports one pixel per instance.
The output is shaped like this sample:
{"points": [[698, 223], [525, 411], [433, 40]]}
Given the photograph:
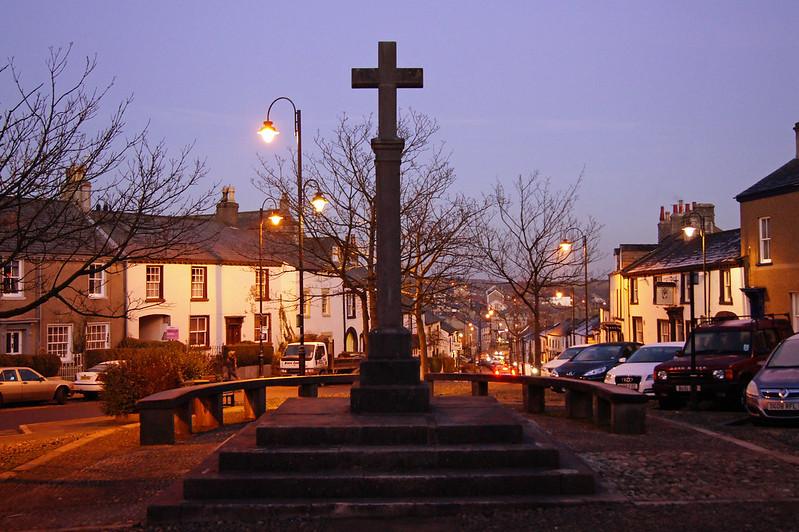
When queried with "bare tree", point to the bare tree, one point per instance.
{"points": [[57, 157], [519, 241], [344, 237]]}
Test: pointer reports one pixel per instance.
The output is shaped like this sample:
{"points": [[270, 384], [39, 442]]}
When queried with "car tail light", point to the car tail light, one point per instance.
{"points": [[729, 374], [513, 371], [100, 377], [496, 372]]}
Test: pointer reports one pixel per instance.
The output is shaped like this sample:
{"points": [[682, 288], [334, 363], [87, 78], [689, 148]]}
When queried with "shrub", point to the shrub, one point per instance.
{"points": [[434, 364], [147, 371], [130, 347], [47, 365], [247, 353]]}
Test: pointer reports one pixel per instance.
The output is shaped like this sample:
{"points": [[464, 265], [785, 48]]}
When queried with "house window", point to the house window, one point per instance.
{"points": [[262, 284], [679, 331], [325, 302], [638, 329], [685, 287], [14, 342], [96, 281], [98, 336], [263, 326], [12, 278], [664, 331], [59, 340], [634, 290], [688, 328], [725, 287], [764, 225], [198, 331], [306, 313], [349, 304], [199, 283], [155, 283]]}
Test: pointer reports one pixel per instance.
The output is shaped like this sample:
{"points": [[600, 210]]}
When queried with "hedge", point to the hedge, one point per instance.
{"points": [[247, 353], [130, 347], [47, 365], [146, 371]]}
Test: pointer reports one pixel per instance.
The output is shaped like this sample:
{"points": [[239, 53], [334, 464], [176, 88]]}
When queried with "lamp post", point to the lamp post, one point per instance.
{"points": [[690, 231], [268, 132], [566, 246], [275, 217]]}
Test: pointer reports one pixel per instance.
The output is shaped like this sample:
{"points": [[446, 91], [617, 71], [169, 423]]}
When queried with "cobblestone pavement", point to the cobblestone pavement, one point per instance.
{"points": [[672, 479]]}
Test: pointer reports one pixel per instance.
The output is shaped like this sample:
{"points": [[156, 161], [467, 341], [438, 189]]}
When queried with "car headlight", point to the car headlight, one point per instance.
{"points": [[662, 375], [608, 379], [752, 390], [595, 371], [718, 374], [535, 371]]}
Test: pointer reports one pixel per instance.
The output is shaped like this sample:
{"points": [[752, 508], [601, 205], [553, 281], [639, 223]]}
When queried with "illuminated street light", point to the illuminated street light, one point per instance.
{"points": [[566, 246], [275, 217]]}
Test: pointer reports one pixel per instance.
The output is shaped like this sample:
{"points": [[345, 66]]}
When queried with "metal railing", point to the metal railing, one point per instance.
{"points": [[68, 370]]}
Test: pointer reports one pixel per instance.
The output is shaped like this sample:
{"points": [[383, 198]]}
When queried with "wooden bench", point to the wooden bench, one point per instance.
{"points": [[621, 410], [173, 414]]}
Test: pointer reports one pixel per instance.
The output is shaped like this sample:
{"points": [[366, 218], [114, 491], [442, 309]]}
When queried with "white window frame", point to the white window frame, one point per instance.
{"points": [[98, 335], [54, 339], [10, 333], [351, 310], [325, 302], [199, 283], [205, 331], [148, 282], [764, 239], [8, 274], [96, 281]]}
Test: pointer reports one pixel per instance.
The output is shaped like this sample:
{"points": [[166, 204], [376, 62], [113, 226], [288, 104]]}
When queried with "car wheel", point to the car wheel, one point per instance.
{"points": [[61, 395], [739, 400]]}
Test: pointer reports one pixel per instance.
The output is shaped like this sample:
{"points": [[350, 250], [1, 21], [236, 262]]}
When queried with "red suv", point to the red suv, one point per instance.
{"points": [[728, 354]]}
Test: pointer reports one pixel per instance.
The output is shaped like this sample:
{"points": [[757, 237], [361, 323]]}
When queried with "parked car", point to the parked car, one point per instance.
{"points": [[90, 383], [637, 373], [568, 354], [25, 385], [594, 361], [773, 393], [729, 352]]}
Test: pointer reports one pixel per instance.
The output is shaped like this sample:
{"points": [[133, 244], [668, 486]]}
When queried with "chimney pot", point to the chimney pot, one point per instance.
{"points": [[674, 208], [662, 213], [796, 130]]}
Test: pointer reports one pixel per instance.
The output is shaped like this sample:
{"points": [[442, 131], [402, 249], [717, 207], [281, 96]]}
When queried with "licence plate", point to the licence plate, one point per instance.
{"points": [[630, 385], [687, 388], [779, 405], [289, 364], [85, 378]]}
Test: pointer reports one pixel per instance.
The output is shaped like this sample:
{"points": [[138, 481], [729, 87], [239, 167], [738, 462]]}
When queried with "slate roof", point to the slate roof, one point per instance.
{"points": [[784, 179], [675, 254]]}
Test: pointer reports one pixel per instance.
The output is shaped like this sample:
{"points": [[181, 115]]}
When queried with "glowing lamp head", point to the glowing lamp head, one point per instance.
{"points": [[275, 217], [689, 231], [566, 245], [268, 131], [319, 202], [558, 295]]}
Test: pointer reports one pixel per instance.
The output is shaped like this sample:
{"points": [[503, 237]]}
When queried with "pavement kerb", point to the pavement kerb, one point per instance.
{"points": [[61, 450], [793, 460]]}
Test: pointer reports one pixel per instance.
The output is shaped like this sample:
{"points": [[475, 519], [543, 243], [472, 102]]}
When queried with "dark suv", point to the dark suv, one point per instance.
{"points": [[728, 354]]}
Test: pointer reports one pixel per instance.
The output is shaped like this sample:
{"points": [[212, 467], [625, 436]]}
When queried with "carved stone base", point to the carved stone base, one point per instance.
{"points": [[389, 399]]}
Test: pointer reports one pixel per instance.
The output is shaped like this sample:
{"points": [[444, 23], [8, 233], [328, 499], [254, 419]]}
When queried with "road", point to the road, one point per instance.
{"points": [[13, 416]]}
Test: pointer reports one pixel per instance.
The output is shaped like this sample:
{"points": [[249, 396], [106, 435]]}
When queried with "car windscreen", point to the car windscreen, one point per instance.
{"points": [[597, 353], [720, 342], [569, 353], [653, 354], [292, 351], [102, 367], [785, 356]]}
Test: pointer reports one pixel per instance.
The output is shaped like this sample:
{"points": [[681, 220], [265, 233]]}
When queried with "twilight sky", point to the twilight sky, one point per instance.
{"points": [[657, 101]]}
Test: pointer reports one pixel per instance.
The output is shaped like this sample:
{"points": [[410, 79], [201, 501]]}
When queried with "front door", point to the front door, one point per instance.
{"points": [[233, 330]]}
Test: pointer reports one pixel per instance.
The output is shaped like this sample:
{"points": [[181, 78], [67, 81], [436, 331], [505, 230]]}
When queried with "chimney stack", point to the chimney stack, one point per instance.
{"points": [[77, 189], [227, 210], [796, 130]]}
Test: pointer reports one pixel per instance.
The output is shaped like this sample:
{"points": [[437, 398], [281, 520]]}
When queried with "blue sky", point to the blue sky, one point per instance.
{"points": [[656, 101]]}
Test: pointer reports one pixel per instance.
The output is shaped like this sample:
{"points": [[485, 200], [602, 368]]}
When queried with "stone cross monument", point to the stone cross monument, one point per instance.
{"points": [[390, 375]]}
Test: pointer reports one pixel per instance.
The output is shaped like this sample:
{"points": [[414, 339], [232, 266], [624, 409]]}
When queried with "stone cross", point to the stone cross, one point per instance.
{"points": [[387, 78], [390, 375]]}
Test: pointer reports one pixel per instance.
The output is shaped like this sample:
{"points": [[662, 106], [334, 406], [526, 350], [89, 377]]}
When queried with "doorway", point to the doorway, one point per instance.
{"points": [[233, 329]]}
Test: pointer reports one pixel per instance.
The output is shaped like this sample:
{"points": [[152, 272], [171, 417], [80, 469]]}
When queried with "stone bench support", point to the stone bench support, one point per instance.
{"points": [[480, 388], [579, 404], [534, 398]]}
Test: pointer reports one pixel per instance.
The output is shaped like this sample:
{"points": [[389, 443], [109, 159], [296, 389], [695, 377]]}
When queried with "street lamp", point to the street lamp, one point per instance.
{"points": [[690, 231], [268, 132], [566, 246], [275, 218]]}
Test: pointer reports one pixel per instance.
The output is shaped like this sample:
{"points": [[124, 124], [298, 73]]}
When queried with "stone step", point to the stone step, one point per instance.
{"points": [[275, 435], [265, 513], [438, 483], [388, 458]]}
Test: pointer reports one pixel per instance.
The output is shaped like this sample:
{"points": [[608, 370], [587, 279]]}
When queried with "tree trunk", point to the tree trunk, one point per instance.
{"points": [[537, 330], [417, 313]]}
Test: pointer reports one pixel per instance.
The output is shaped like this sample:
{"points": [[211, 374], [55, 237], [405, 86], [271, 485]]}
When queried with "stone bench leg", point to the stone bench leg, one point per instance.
{"points": [[206, 413], [534, 398], [254, 403], [308, 390], [163, 426], [602, 408], [579, 405], [479, 388], [431, 384], [628, 418]]}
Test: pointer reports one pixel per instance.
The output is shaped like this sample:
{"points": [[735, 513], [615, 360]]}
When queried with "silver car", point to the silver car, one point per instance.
{"points": [[774, 391]]}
